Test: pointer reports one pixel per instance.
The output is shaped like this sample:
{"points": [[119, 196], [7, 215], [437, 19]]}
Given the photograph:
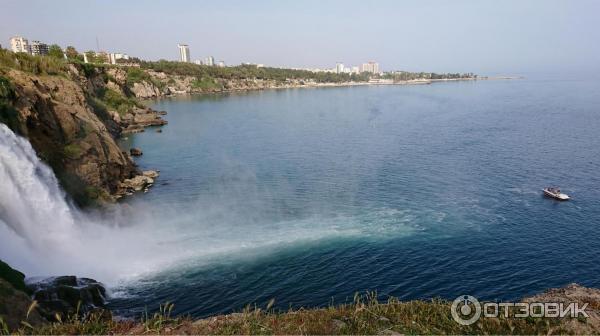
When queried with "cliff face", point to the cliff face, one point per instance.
{"points": [[157, 84], [71, 129]]}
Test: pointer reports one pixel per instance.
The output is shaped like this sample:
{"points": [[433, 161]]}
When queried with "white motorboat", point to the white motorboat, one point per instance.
{"points": [[556, 194]]}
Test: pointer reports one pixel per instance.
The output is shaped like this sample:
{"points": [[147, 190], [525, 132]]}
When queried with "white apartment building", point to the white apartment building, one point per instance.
{"points": [[372, 67], [210, 61], [19, 44], [184, 53], [339, 67]]}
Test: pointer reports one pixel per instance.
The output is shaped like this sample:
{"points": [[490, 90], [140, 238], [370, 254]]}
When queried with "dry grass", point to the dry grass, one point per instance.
{"points": [[363, 316]]}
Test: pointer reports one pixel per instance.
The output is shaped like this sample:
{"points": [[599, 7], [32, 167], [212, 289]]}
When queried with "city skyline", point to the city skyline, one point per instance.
{"points": [[20, 44], [480, 36]]}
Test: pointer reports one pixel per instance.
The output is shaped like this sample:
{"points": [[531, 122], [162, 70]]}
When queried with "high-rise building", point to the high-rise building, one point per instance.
{"points": [[375, 67], [184, 53], [339, 67], [210, 61], [38, 48], [372, 67], [19, 44]]}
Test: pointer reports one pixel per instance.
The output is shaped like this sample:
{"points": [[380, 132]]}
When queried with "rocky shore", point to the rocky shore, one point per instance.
{"points": [[160, 84], [69, 305], [44, 300]]}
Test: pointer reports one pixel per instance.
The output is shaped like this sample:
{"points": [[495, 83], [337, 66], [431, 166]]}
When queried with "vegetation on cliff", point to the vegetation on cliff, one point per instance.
{"points": [[248, 72], [8, 114], [406, 75], [71, 113]]}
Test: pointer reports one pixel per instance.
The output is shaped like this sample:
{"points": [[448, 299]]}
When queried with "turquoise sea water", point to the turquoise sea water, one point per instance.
{"points": [[310, 195]]}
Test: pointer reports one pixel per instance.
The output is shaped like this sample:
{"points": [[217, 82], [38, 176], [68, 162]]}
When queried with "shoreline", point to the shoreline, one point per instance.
{"points": [[175, 93]]}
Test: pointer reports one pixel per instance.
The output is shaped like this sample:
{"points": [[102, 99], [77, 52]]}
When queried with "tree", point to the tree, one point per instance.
{"points": [[55, 51], [71, 52]]}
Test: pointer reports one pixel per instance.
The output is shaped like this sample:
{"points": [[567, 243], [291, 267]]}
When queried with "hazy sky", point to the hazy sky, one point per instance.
{"points": [[484, 36]]}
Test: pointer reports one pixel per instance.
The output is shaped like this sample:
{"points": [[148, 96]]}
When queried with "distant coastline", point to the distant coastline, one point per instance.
{"points": [[280, 86]]}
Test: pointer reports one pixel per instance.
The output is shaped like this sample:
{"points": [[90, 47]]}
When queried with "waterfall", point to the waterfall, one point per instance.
{"points": [[31, 201], [41, 233]]}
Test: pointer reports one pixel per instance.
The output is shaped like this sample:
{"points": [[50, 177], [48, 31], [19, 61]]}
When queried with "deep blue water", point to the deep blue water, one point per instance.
{"points": [[311, 195]]}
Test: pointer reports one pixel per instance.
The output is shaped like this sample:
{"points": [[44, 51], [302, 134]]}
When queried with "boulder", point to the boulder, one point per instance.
{"points": [[67, 295], [14, 308], [135, 151], [150, 173], [147, 117], [13, 277], [137, 183]]}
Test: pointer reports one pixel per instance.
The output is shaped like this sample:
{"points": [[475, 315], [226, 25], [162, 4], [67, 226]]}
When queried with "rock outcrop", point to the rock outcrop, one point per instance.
{"points": [[15, 307], [135, 151], [15, 278], [145, 90], [67, 133], [71, 128], [15, 301], [138, 183], [67, 295], [138, 118]]}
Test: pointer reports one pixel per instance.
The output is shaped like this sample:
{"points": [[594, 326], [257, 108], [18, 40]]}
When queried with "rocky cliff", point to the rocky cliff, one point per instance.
{"points": [[72, 120], [154, 84]]}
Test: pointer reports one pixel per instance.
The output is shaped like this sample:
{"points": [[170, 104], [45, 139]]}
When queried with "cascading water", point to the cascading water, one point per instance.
{"points": [[31, 201], [42, 234]]}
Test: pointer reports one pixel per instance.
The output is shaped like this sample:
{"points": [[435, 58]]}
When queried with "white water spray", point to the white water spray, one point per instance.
{"points": [[42, 234]]}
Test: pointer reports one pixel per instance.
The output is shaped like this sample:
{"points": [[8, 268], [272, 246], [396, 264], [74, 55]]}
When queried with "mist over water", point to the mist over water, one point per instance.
{"points": [[309, 195], [44, 234]]}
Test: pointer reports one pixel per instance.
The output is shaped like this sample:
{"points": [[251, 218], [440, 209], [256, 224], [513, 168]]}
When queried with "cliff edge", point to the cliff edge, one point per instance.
{"points": [[72, 115]]}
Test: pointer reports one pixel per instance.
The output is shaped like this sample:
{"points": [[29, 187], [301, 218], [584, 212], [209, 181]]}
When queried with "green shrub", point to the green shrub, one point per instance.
{"points": [[38, 65], [72, 151], [137, 75], [118, 101], [205, 84], [93, 192], [88, 69], [8, 114]]}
